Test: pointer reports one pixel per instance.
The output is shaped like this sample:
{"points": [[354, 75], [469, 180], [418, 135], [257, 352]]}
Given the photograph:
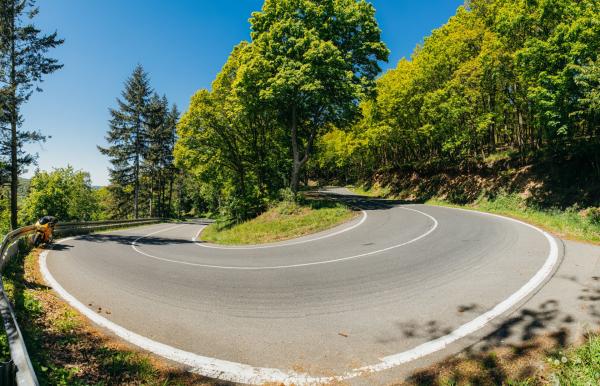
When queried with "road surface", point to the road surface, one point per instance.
{"points": [[396, 284]]}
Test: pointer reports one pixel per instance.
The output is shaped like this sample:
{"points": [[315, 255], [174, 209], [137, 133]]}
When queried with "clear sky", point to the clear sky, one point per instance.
{"points": [[182, 44]]}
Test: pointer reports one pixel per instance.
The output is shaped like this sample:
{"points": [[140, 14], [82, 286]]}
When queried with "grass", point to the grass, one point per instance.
{"points": [[578, 366], [65, 349], [572, 223], [285, 221]]}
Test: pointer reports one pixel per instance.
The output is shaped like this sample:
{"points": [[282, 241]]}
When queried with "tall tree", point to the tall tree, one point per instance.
{"points": [[168, 157], [23, 64], [318, 59], [127, 135], [156, 121], [158, 159], [225, 139]]}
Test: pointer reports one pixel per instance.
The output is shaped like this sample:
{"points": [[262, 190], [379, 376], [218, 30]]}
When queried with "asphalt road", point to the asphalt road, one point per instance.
{"points": [[394, 278]]}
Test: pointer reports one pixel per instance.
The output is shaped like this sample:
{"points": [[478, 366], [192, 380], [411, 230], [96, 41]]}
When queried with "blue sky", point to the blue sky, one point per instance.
{"points": [[182, 44]]}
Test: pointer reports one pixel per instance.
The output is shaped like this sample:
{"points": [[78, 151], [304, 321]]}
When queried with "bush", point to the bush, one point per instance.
{"points": [[239, 209], [593, 216], [64, 193]]}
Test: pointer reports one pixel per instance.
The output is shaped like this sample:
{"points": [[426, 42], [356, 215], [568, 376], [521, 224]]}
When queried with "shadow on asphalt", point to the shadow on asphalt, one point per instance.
{"points": [[59, 247], [362, 202], [354, 201], [513, 351], [128, 240]]}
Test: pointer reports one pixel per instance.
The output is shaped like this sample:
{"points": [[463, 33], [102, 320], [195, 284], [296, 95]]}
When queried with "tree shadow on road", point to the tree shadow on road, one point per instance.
{"points": [[128, 240], [362, 202], [516, 351]]}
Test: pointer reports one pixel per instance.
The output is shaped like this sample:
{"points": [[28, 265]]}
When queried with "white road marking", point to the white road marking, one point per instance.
{"points": [[239, 372], [243, 268], [210, 367], [281, 243]]}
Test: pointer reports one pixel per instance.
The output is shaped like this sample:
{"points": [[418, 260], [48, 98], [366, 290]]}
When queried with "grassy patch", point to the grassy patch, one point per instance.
{"points": [[578, 366], [284, 221], [571, 223], [66, 350]]}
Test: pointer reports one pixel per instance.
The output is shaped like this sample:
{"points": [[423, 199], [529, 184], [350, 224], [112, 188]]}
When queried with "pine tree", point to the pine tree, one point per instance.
{"points": [[157, 115], [168, 159], [127, 136], [23, 64], [162, 125]]}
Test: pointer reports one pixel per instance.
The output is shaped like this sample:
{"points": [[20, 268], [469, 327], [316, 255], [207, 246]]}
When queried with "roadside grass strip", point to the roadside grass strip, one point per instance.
{"points": [[282, 222]]}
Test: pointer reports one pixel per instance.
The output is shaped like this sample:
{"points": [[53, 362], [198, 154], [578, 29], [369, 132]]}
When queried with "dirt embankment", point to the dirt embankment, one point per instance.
{"points": [[558, 181]]}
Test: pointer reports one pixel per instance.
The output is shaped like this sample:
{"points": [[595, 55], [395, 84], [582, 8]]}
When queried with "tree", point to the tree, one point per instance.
{"points": [[23, 64], [229, 142], [158, 159], [64, 193], [170, 139], [127, 137], [317, 59]]}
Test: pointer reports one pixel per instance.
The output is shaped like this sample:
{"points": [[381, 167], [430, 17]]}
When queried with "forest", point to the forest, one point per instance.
{"points": [[516, 80], [501, 86], [500, 76]]}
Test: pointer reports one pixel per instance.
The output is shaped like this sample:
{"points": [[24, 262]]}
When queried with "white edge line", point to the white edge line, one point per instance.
{"points": [[281, 243], [210, 367], [242, 268], [238, 372]]}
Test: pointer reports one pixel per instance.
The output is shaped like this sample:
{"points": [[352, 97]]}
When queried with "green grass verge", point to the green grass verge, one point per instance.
{"points": [[285, 221], [578, 366], [571, 223]]}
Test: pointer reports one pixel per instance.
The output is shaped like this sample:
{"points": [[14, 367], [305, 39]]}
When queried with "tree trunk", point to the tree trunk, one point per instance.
{"points": [[14, 174], [14, 118], [136, 186], [295, 176], [151, 194], [170, 195], [295, 154]]}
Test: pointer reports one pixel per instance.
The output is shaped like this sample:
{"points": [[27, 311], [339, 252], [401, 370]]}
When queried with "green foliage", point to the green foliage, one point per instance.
{"points": [[579, 366], [287, 219], [308, 64], [64, 193], [127, 137], [141, 139], [235, 157], [316, 59], [570, 222], [593, 216], [499, 75], [4, 349]]}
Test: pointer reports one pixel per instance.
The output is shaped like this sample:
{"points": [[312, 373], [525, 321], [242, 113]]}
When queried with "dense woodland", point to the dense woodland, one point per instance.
{"points": [[503, 75], [251, 136]]}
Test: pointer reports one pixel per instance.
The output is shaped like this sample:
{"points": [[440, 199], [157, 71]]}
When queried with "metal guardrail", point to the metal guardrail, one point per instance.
{"points": [[19, 370]]}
